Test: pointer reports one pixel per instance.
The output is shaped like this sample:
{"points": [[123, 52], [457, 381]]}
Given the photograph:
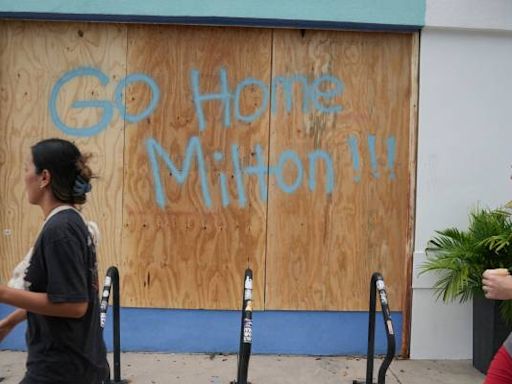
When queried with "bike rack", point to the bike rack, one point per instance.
{"points": [[112, 279], [377, 284], [244, 353]]}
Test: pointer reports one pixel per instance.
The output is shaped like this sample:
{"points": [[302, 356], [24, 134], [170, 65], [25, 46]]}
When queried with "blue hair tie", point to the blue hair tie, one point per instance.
{"points": [[81, 187]]}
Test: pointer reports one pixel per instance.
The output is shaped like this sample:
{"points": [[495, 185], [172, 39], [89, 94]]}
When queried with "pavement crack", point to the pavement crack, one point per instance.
{"points": [[396, 377]]}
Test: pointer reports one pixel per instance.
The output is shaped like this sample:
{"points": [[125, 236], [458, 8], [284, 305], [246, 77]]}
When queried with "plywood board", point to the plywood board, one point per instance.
{"points": [[409, 248], [33, 57], [300, 148], [323, 246], [189, 247]]}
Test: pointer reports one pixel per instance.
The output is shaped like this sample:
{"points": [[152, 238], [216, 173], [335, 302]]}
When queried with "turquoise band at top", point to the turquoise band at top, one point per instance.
{"points": [[406, 13]]}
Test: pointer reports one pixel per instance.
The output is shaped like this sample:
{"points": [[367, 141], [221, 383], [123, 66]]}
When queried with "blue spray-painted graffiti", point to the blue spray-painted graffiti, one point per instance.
{"points": [[373, 156], [105, 105], [372, 142], [352, 142], [318, 94], [195, 151], [194, 147], [391, 149], [102, 104], [311, 94]]}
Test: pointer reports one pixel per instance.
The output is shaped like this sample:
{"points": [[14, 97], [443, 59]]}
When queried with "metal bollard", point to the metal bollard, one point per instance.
{"points": [[112, 279], [246, 331], [377, 285]]}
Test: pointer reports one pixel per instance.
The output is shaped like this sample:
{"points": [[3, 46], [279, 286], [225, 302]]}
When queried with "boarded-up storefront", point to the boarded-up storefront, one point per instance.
{"points": [[288, 151]]}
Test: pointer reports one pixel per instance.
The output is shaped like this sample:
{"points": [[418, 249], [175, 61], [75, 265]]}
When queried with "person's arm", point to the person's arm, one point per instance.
{"points": [[8, 323], [497, 284], [39, 303]]}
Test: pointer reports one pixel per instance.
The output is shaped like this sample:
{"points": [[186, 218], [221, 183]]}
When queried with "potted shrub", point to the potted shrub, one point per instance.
{"points": [[459, 257]]}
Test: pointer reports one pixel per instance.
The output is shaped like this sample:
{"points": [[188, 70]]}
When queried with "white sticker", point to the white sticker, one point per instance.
{"points": [[248, 283], [106, 293], [390, 327], [380, 284], [247, 331], [108, 281], [248, 294]]}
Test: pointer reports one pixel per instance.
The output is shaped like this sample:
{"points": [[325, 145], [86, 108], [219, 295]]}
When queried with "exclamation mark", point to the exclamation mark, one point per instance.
{"points": [[391, 145], [352, 142], [373, 156]]}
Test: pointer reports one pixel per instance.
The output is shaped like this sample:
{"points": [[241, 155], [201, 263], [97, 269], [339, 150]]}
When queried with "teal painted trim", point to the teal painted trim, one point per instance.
{"points": [[393, 12], [213, 21]]}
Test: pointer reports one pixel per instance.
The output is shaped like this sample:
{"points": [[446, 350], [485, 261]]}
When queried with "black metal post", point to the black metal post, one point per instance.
{"points": [[377, 284], [371, 333], [112, 279], [388, 326], [246, 331]]}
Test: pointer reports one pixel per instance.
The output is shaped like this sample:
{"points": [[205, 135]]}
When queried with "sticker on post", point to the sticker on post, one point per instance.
{"points": [[247, 331], [390, 327]]}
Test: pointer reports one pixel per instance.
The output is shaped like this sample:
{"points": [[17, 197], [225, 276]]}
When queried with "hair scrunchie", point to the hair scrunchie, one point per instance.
{"points": [[81, 186]]}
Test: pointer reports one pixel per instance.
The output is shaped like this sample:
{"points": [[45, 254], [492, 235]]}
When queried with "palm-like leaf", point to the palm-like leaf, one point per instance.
{"points": [[460, 257]]}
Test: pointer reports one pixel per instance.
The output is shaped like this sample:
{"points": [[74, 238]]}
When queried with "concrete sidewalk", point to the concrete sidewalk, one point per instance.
{"points": [[151, 368]]}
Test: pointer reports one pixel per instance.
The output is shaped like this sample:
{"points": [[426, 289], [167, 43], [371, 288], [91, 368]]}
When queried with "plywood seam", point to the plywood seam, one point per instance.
{"points": [[119, 258], [268, 173]]}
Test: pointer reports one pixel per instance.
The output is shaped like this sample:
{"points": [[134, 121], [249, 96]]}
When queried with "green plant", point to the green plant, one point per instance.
{"points": [[460, 257]]}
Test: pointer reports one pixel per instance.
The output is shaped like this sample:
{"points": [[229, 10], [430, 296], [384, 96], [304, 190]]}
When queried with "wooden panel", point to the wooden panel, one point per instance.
{"points": [[173, 249], [33, 56], [323, 247], [409, 249], [186, 254]]}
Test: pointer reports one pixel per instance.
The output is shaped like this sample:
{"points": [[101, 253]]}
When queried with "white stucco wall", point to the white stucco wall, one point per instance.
{"points": [[469, 14], [464, 147]]}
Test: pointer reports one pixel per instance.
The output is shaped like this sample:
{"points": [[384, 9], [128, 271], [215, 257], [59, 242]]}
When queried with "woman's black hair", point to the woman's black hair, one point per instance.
{"points": [[70, 174]]}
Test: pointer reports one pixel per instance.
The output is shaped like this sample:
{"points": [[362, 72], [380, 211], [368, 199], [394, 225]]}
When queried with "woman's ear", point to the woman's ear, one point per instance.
{"points": [[45, 179]]}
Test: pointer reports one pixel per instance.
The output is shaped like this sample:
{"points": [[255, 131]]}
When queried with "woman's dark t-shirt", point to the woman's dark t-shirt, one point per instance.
{"points": [[65, 350]]}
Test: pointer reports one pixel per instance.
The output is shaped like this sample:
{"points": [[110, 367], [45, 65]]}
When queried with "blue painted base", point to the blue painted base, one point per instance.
{"points": [[205, 331]]}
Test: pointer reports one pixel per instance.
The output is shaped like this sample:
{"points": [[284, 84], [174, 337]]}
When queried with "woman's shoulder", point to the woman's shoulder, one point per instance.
{"points": [[65, 223]]}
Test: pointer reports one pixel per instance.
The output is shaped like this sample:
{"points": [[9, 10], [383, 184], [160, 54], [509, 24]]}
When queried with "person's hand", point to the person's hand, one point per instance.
{"points": [[6, 327], [12, 320], [497, 284]]}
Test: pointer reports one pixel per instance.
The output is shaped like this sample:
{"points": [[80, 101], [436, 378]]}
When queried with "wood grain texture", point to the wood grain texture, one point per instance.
{"points": [[322, 248], [409, 249], [185, 254], [309, 249], [33, 57]]}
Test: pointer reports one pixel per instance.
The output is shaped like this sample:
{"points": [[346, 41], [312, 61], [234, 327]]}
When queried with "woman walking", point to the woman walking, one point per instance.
{"points": [[55, 288]]}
